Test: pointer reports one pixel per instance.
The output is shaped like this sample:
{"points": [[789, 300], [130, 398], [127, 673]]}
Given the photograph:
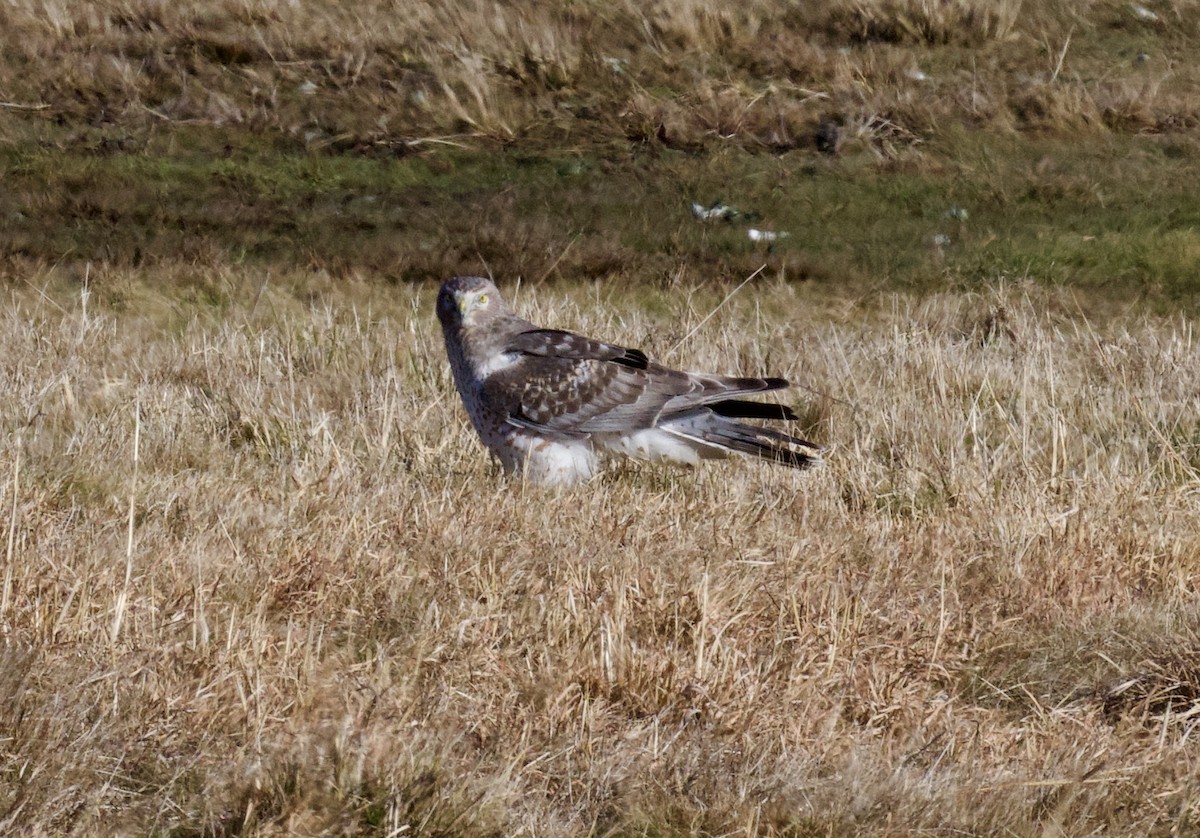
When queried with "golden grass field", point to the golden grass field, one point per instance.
{"points": [[260, 577], [407, 76]]}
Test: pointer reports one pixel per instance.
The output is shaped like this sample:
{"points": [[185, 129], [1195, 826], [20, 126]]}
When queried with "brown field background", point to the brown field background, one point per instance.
{"points": [[260, 578]]}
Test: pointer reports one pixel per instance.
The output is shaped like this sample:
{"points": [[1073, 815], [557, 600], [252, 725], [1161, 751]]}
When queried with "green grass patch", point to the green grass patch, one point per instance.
{"points": [[1114, 216]]}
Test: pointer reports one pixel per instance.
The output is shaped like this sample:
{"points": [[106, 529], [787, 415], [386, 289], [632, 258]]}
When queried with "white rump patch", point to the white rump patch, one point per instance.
{"points": [[657, 445]]}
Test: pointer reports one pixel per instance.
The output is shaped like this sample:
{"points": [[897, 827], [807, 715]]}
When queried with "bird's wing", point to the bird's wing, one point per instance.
{"points": [[555, 343], [572, 384], [586, 395], [567, 383]]}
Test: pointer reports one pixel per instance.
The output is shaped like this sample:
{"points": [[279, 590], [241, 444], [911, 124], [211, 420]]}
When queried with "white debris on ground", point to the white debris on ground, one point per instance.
{"points": [[757, 235], [719, 210], [722, 211]]}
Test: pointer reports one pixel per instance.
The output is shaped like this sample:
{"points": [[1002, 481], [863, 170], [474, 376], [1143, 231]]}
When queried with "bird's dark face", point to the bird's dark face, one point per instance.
{"points": [[464, 298]]}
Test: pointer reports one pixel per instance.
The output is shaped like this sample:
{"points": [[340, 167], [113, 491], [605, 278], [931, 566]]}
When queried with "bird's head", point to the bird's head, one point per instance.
{"points": [[466, 298]]}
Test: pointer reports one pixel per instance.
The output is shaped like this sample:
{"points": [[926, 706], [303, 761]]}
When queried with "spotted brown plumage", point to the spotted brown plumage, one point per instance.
{"points": [[545, 401]]}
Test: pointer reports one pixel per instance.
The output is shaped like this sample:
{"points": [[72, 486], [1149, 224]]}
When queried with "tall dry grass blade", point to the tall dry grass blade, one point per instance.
{"points": [[1062, 56], [123, 596], [558, 260], [85, 294], [9, 553], [717, 308]]}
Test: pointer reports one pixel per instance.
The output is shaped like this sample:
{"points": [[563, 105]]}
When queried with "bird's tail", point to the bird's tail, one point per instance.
{"points": [[715, 432]]}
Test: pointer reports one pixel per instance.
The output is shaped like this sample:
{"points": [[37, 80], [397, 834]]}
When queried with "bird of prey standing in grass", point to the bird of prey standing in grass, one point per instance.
{"points": [[547, 402]]}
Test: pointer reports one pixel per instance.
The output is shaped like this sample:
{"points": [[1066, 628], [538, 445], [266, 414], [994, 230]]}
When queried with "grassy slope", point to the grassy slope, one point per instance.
{"points": [[571, 139], [330, 615]]}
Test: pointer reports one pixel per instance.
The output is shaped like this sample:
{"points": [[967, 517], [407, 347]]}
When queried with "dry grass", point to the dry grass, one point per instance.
{"points": [[259, 577], [331, 616], [764, 74]]}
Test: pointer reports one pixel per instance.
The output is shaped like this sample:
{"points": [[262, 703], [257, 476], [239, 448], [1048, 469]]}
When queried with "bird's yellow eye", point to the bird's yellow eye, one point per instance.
{"points": [[483, 299]]}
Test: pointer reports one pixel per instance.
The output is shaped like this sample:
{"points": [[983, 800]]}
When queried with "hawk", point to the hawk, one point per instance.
{"points": [[546, 402]]}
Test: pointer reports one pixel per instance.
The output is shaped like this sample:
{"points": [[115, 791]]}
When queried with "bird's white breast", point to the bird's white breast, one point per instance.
{"points": [[556, 463], [496, 363]]}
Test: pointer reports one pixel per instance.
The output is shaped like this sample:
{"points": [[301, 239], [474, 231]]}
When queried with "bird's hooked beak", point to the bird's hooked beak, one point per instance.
{"points": [[469, 301]]}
